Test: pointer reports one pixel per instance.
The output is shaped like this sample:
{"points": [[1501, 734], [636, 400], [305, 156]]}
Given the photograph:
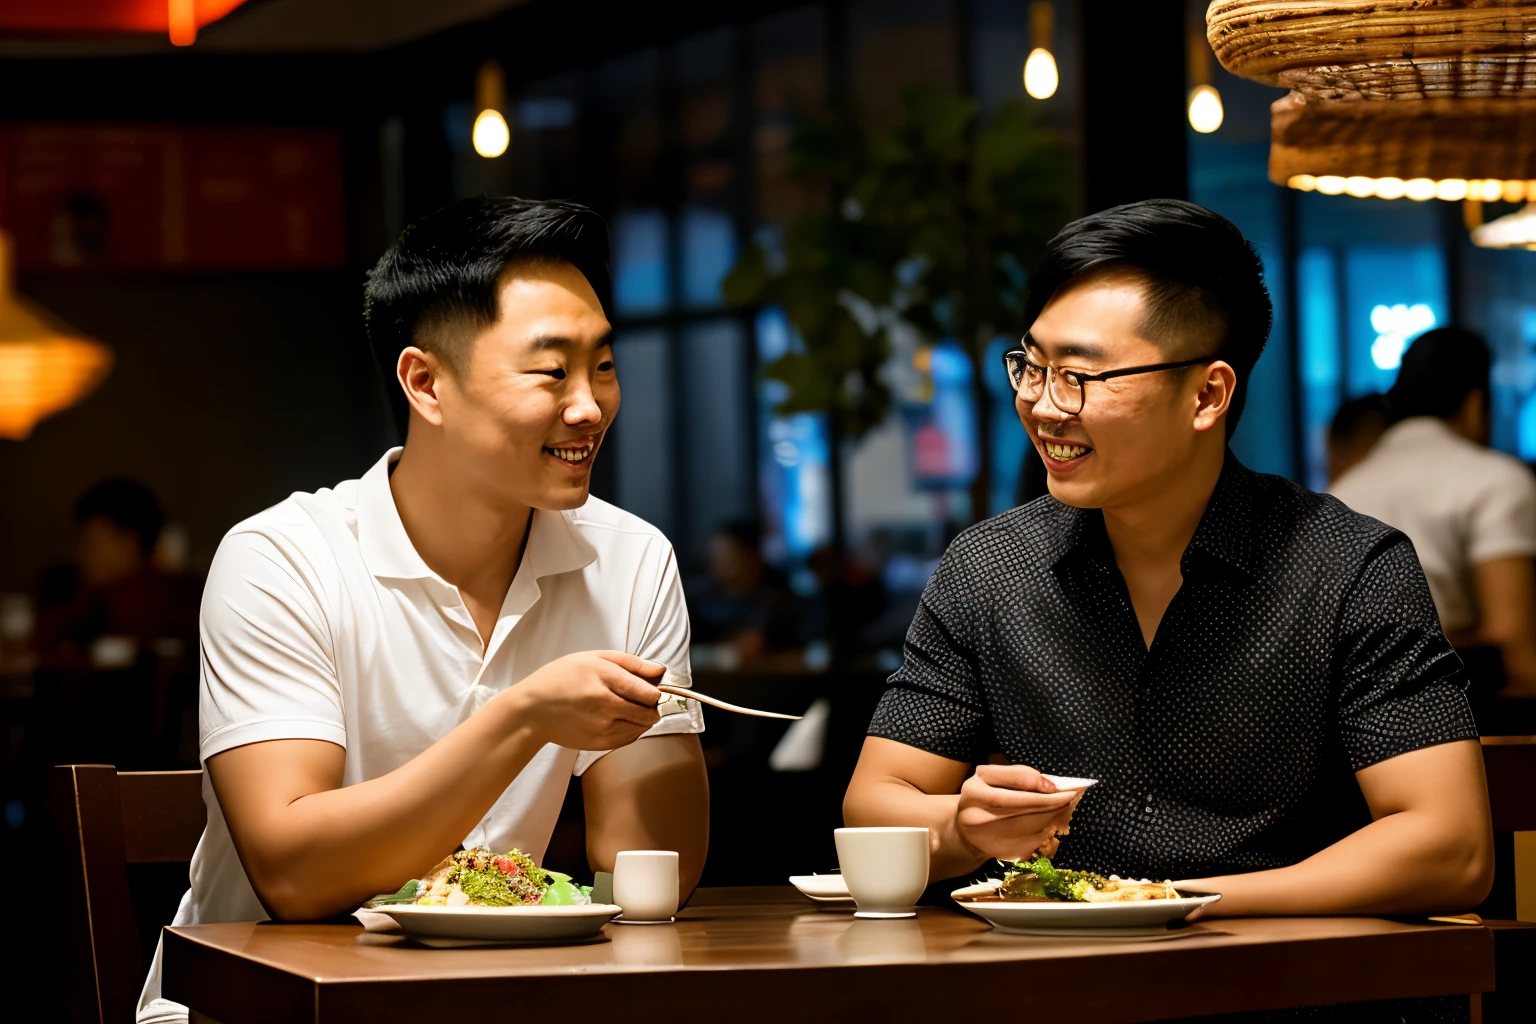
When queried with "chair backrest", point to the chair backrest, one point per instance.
{"points": [[1510, 762], [108, 820]]}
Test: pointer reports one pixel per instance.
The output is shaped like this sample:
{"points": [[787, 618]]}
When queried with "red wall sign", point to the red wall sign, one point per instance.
{"points": [[146, 197]]}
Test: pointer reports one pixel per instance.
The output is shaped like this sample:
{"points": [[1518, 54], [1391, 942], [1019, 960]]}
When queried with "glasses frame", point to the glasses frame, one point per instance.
{"points": [[1077, 378]]}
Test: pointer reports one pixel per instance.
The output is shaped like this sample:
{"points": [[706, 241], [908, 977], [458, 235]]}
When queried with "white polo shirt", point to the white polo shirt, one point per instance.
{"points": [[1459, 503], [320, 621]]}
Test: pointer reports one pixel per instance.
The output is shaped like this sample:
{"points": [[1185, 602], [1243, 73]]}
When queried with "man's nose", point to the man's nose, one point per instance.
{"points": [[1044, 407], [581, 407]]}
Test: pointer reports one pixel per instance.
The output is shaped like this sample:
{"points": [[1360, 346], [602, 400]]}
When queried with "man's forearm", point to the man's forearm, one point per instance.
{"points": [[893, 802], [1402, 863], [326, 852], [650, 795]]}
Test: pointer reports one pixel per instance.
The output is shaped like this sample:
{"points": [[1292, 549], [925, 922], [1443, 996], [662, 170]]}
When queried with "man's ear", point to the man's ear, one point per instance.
{"points": [[1215, 395], [420, 374]]}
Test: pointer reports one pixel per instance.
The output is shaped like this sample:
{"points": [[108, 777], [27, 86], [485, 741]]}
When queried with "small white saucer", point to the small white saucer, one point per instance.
{"points": [[884, 915], [620, 920]]}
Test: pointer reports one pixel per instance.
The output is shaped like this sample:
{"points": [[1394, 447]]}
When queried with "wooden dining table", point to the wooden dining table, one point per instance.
{"points": [[760, 954]]}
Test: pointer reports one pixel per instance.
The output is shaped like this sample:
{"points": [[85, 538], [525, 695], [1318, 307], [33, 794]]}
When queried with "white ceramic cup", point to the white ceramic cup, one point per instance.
{"points": [[645, 885], [886, 868]]}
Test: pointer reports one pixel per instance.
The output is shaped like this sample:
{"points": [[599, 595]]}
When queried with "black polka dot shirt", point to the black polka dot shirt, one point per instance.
{"points": [[1302, 647]]}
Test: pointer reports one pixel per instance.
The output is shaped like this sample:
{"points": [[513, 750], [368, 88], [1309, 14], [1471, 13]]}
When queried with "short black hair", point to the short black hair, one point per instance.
{"points": [[126, 503], [1205, 291], [437, 284], [1440, 369], [1359, 418]]}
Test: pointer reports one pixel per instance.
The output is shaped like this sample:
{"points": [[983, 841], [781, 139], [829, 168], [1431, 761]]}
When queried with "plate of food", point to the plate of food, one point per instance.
{"points": [[829, 891], [481, 896], [1034, 897]]}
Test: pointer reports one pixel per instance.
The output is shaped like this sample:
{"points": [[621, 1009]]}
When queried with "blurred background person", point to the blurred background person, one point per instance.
{"points": [[850, 596], [116, 597], [1356, 427], [744, 607], [1469, 510]]}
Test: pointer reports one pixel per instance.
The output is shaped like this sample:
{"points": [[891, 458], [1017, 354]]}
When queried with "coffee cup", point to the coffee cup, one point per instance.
{"points": [[886, 868], [645, 885]]}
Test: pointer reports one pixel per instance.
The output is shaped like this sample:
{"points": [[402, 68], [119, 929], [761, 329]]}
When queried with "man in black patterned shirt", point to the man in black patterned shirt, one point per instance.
{"points": [[1255, 673]]}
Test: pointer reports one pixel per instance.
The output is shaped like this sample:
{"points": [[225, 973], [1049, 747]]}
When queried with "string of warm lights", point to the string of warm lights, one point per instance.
{"points": [[1488, 190]]}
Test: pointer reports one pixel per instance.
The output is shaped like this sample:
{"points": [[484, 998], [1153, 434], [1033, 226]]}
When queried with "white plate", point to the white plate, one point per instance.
{"points": [[1065, 783], [501, 924], [821, 887], [1140, 917]]}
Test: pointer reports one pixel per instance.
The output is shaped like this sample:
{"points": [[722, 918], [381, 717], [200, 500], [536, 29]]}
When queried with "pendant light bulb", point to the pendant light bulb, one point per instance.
{"points": [[1040, 75], [491, 135], [1205, 113]]}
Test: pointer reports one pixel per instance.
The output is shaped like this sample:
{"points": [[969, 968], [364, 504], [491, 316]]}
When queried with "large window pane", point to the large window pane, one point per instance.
{"points": [[1322, 374], [717, 424], [641, 279], [644, 471], [793, 472], [896, 44], [1500, 301], [709, 249], [1392, 294], [789, 56]]}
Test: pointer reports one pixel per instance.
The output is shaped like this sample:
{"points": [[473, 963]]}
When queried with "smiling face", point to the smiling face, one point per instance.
{"points": [[1135, 434], [526, 411]]}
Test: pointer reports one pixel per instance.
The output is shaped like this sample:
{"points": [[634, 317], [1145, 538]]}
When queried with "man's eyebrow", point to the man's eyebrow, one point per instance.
{"points": [[545, 342], [1068, 349]]}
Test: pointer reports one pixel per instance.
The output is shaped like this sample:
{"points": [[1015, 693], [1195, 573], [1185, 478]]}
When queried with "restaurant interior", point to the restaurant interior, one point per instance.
{"points": [[193, 192]]}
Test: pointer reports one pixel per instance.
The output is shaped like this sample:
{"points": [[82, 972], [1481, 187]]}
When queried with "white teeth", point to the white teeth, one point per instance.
{"points": [[1065, 452], [570, 454]]}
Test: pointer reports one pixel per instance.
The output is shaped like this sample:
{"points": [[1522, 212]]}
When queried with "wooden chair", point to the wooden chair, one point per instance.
{"points": [[1510, 762], [108, 820]]}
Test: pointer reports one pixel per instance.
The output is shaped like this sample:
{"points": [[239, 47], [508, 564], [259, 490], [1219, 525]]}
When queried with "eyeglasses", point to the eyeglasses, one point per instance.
{"points": [[1066, 386]]}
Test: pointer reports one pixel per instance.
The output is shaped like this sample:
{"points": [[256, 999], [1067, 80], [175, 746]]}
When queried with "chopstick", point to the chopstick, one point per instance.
{"points": [[683, 691]]}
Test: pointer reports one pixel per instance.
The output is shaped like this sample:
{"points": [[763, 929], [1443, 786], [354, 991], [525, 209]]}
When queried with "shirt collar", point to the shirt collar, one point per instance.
{"points": [[1416, 430], [554, 544], [1225, 531]]}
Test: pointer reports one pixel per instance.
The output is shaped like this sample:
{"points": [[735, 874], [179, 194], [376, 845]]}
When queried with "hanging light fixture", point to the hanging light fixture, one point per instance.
{"points": [[491, 135], [1040, 75], [1426, 101], [1205, 111], [44, 365]]}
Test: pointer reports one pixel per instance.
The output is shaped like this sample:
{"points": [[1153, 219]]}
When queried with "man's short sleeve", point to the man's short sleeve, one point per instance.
{"points": [[1401, 686], [933, 701], [664, 640], [267, 669], [1503, 523]]}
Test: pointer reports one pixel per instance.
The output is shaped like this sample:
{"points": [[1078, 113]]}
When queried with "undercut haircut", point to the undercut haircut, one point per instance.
{"points": [[437, 287], [1203, 282], [1440, 369]]}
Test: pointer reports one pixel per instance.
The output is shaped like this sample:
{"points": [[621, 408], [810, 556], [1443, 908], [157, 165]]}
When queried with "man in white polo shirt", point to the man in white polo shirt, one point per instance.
{"points": [[423, 657], [1469, 510]]}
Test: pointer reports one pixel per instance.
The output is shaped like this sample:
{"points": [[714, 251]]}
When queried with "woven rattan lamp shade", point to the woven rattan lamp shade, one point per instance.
{"points": [[1390, 88], [44, 365]]}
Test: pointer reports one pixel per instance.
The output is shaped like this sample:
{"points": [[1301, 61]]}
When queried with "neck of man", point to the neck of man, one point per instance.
{"points": [[471, 537], [1153, 529]]}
